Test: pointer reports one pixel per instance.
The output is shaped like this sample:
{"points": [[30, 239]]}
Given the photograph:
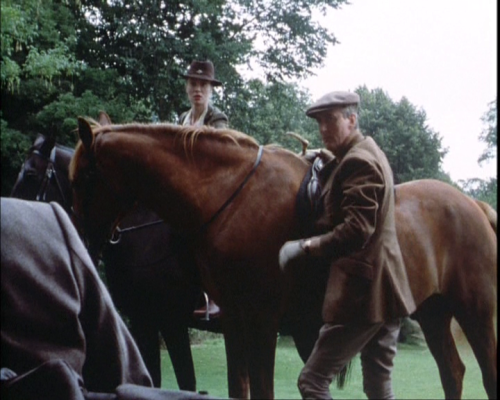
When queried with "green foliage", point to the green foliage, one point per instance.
{"points": [[38, 60], [290, 43], [13, 145], [36, 42], [267, 112], [484, 190], [61, 115], [489, 133], [151, 43], [413, 149], [61, 59], [411, 333]]}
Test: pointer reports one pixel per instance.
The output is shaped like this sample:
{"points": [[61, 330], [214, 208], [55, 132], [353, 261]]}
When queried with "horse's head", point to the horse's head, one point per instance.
{"points": [[44, 173], [97, 207]]}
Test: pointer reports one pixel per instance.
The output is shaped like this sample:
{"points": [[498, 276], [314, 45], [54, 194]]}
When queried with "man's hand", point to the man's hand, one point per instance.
{"points": [[291, 251]]}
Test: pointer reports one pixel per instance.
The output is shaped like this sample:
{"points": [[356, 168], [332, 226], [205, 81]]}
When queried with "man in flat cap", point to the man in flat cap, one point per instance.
{"points": [[367, 291]]}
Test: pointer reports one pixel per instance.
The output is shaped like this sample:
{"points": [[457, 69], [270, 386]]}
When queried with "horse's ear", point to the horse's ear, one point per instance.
{"points": [[47, 145], [104, 118], [85, 133]]}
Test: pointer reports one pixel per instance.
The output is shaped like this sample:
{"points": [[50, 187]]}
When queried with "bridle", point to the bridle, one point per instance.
{"points": [[91, 179], [49, 175], [115, 236]]}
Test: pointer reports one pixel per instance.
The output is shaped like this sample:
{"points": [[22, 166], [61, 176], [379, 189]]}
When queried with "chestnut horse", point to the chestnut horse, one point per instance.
{"points": [[151, 283], [235, 201]]}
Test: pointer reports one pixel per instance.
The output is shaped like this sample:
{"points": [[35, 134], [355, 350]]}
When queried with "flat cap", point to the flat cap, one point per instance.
{"points": [[331, 100]]}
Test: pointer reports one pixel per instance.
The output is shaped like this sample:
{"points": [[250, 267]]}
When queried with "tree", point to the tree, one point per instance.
{"points": [[37, 64], [267, 112], [151, 42], [64, 58], [413, 149], [489, 133], [485, 190]]}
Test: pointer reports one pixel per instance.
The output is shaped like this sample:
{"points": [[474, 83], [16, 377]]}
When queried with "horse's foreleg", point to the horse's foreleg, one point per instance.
{"points": [[176, 337], [145, 334], [305, 339], [261, 352], [435, 320], [237, 363]]}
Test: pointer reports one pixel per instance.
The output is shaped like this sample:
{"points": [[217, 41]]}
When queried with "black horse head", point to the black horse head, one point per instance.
{"points": [[44, 173]]}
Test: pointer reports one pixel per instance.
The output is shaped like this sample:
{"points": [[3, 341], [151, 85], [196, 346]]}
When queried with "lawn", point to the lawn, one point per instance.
{"points": [[415, 373]]}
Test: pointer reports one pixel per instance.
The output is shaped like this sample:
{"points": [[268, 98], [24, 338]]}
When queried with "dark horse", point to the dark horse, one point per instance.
{"points": [[236, 201], [153, 281]]}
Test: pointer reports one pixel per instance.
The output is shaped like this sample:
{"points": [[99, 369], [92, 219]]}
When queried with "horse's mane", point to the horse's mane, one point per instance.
{"points": [[188, 134]]}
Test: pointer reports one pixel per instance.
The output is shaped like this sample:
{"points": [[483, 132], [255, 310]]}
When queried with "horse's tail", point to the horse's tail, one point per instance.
{"points": [[490, 213], [343, 376]]}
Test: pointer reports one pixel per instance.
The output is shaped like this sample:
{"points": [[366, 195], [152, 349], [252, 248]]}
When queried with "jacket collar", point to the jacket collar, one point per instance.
{"points": [[351, 141], [210, 111]]}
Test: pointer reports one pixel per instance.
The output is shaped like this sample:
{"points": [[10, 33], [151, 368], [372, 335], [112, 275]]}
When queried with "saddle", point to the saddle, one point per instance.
{"points": [[308, 203]]}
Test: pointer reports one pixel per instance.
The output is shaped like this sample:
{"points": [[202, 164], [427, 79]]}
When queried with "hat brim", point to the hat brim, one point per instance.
{"points": [[317, 110], [214, 82]]}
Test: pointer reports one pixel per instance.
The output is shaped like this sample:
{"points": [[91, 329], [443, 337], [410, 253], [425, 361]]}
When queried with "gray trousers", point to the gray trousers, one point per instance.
{"points": [[338, 344]]}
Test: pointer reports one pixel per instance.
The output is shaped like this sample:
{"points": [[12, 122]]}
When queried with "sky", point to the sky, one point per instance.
{"points": [[439, 54]]}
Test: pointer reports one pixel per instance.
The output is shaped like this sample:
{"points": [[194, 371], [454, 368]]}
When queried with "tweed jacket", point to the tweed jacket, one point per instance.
{"points": [[367, 281], [214, 117], [54, 305]]}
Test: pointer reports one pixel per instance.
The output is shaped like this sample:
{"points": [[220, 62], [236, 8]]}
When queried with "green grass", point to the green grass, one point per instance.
{"points": [[415, 373]]}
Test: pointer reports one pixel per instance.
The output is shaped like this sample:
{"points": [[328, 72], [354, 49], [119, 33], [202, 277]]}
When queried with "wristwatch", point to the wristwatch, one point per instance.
{"points": [[306, 245]]}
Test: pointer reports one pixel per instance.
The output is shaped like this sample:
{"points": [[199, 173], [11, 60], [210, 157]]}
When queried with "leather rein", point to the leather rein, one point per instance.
{"points": [[50, 174], [236, 192], [116, 234]]}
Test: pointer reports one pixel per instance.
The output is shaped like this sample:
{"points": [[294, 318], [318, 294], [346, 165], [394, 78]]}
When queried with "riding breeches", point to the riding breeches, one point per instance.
{"points": [[338, 344]]}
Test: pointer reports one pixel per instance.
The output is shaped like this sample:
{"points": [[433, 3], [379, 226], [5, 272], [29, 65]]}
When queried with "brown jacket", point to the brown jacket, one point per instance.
{"points": [[367, 281]]}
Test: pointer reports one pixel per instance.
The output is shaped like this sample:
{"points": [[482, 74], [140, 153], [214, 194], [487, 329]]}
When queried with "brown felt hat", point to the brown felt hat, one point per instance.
{"points": [[331, 100], [203, 70]]}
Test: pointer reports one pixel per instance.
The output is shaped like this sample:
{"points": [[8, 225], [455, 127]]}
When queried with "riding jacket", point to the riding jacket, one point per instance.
{"points": [[214, 117], [367, 280]]}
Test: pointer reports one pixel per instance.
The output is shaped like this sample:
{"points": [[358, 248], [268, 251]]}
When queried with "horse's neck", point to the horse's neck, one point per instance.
{"points": [[195, 181]]}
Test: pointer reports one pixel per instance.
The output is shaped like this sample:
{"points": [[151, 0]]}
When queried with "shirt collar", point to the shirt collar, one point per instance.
{"points": [[199, 122]]}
